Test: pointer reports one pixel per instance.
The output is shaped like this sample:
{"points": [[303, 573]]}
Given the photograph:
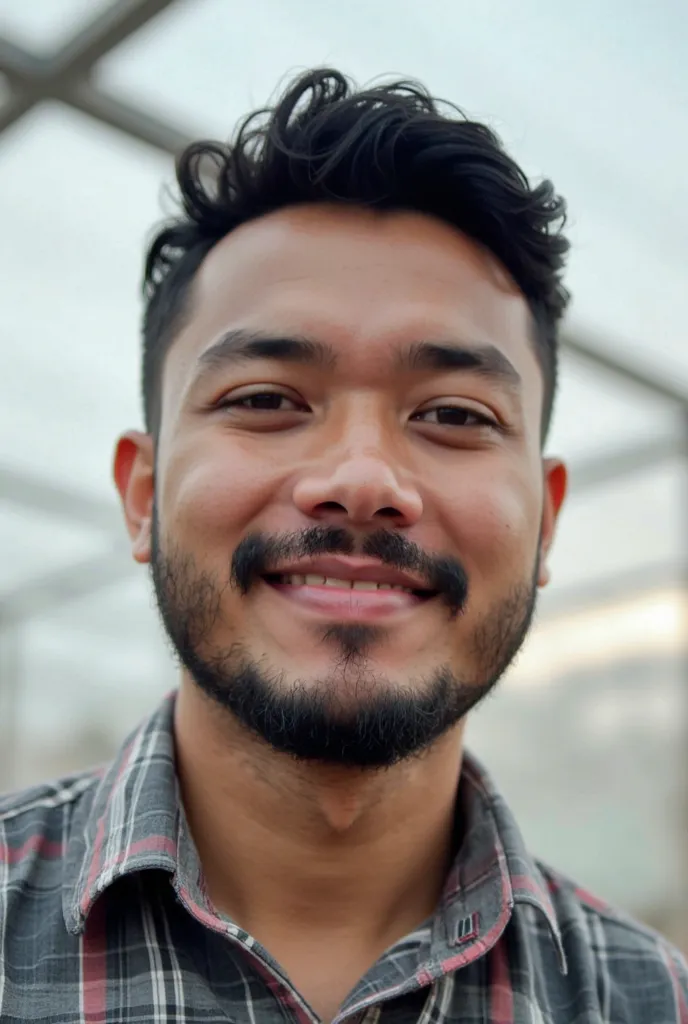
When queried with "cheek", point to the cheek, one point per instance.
{"points": [[209, 495], [495, 523]]}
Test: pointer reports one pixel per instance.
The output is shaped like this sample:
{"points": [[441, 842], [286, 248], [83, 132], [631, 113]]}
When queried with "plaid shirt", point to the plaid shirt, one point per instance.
{"points": [[103, 918]]}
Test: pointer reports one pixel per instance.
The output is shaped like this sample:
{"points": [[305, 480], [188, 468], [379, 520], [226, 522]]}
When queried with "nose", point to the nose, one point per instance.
{"points": [[362, 488]]}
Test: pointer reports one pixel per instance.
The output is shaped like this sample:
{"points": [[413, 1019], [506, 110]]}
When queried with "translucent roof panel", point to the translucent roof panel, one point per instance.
{"points": [[43, 25], [623, 527], [34, 544], [597, 413], [78, 203], [613, 137]]}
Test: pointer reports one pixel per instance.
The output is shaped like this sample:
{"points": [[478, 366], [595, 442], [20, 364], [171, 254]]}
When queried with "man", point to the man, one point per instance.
{"points": [[349, 362]]}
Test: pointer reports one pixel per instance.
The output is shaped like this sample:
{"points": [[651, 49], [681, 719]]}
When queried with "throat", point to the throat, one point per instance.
{"points": [[325, 969]]}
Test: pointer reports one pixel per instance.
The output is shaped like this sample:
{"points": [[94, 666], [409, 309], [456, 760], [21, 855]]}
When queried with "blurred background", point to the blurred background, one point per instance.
{"points": [[588, 734]]}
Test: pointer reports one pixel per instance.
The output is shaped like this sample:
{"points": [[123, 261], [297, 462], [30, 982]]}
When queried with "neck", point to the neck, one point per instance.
{"points": [[360, 853]]}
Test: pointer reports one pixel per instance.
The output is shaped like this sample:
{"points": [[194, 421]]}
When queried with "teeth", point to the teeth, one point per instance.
{"points": [[315, 580]]}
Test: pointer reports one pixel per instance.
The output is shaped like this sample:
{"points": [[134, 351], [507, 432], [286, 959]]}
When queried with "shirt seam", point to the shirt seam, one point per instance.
{"points": [[635, 928], [50, 800]]}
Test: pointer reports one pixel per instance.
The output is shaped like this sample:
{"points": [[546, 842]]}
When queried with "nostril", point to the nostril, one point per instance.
{"points": [[389, 513], [330, 506]]}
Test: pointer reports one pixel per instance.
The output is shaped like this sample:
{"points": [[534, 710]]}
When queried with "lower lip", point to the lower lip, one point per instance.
{"points": [[342, 603]]}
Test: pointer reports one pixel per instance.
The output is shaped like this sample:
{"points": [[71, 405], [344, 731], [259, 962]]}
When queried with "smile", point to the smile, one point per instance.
{"points": [[315, 580], [348, 589]]}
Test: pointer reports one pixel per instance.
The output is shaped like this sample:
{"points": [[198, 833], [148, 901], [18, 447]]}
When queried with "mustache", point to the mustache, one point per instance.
{"points": [[258, 554]]}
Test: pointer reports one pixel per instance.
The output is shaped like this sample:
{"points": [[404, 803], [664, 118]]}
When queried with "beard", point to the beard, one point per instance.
{"points": [[381, 722]]}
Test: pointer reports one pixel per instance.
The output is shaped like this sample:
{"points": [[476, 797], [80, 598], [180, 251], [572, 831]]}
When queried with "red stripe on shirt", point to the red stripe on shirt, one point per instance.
{"points": [[94, 967], [501, 991], [47, 848]]}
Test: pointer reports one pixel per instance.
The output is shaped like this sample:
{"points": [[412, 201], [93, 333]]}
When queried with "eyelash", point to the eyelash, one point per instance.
{"points": [[241, 402], [481, 421]]}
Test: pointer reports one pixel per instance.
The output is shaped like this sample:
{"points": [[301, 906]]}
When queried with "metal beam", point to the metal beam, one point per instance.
{"points": [[54, 589], [33, 79], [602, 469], [131, 121], [14, 109], [644, 579], [593, 350], [102, 34], [22, 69], [27, 491]]}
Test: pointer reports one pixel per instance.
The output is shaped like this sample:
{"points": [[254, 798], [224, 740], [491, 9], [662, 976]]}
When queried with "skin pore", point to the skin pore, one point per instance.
{"points": [[327, 864]]}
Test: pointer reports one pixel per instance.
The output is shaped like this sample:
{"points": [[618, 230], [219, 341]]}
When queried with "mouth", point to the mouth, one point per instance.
{"points": [[346, 588], [338, 583]]}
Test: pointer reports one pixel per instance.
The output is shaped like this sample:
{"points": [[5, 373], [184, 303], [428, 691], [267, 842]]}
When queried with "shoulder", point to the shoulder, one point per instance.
{"points": [[46, 800], [34, 823], [639, 975]]}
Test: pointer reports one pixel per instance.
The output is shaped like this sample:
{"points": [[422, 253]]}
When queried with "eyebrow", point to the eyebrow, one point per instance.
{"points": [[240, 346], [483, 360]]}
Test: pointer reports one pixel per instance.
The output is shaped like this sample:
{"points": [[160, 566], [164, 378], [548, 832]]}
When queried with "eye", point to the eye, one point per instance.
{"points": [[453, 416], [262, 401]]}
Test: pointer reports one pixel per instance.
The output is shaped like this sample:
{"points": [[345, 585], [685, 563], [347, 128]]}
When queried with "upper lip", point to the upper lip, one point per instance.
{"points": [[343, 568]]}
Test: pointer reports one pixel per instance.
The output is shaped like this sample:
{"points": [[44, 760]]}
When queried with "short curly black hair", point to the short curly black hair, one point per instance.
{"points": [[388, 147]]}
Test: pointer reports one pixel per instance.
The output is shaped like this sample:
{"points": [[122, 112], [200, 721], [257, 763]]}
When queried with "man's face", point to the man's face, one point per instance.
{"points": [[351, 510]]}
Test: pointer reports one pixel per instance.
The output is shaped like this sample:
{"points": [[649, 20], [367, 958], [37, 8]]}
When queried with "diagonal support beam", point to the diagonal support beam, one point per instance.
{"points": [[603, 469], [592, 350], [27, 491], [55, 588], [33, 79], [102, 34], [131, 121]]}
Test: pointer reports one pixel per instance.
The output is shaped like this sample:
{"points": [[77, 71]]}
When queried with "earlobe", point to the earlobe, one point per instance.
{"points": [[133, 469], [554, 492]]}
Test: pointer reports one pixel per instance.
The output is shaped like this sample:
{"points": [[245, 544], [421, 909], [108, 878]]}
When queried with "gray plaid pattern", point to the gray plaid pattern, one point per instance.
{"points": [[103, 919]]}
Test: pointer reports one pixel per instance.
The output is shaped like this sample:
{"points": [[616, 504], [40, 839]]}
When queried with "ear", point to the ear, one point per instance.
{"points": [[555, 484], [134, 474]]}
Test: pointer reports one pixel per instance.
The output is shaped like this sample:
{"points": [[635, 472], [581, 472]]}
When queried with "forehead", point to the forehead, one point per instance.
{"points": [[365, 282]]}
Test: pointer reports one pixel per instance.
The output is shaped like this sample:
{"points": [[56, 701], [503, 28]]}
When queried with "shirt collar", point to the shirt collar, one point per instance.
{"points": [[134, 822], [492, 873], [130, 824]]}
